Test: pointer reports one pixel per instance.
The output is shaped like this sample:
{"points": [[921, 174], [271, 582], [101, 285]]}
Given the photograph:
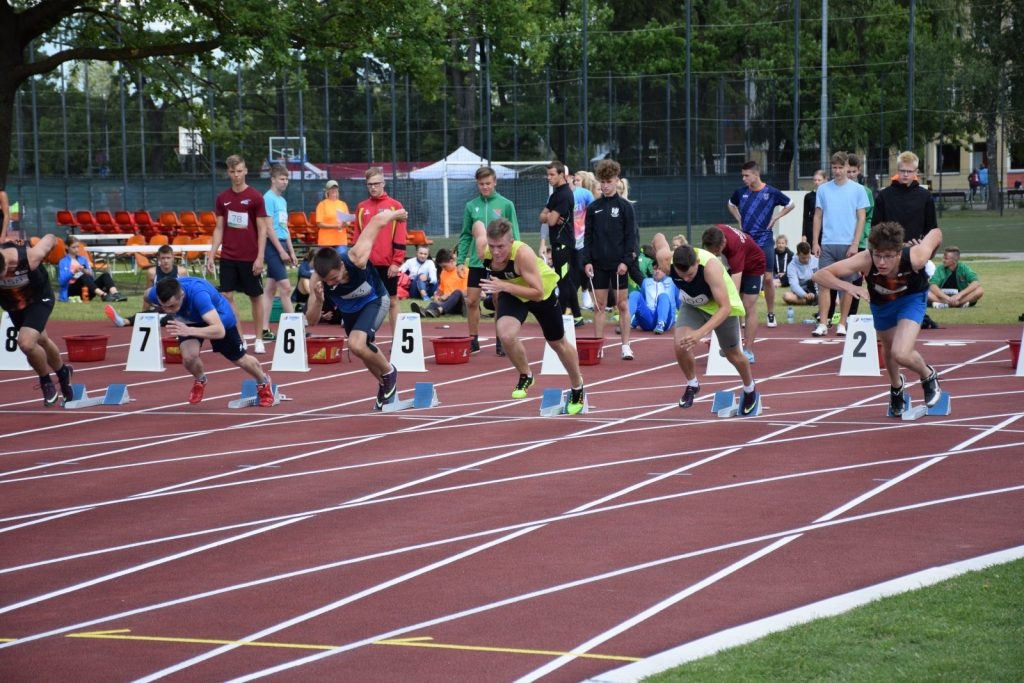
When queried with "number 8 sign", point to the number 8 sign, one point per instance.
{"points": [[11, 357]]}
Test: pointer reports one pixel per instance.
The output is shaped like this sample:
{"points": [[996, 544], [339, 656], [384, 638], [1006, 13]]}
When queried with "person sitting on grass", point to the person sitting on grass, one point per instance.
{"points": [[954, 284], [450, 296], [800, 273], [76, 277]]}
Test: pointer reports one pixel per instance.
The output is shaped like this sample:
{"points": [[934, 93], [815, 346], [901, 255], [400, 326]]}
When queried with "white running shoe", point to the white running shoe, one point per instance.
{"points": [[820, 330], [841, 330], [259, 347], [627, 353], [771, 320]]}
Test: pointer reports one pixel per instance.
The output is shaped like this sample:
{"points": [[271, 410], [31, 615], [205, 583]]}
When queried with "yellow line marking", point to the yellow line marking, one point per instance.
{"points": [[415, 641]]}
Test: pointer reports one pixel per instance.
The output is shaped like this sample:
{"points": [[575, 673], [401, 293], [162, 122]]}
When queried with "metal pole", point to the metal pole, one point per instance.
{"points": [[487, 98], [124, 135], [369, 109], [823, 152], [586, 90], [88, 128], [910, 81], [689, 163], [142, 146], [64, 124], [796, 95], [213, 145], [394, 126], [327, 117], [547, 106], [515, 112]]}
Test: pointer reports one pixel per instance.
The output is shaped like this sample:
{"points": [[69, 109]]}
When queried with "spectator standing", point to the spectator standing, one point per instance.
{"points": [[973, 182], [753, 206], [983, 181], [954, 284], [241, 234], [26, 295], [329, 213], [855, 174], [557, 216], [839, 214], [609, 248], [809, 199], [422, 273], [278, 250], [388, 253], [486, 207], [906, 202]]}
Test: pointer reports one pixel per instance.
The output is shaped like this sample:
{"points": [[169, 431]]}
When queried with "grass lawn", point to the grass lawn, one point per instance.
{"points": [[969, 628]]}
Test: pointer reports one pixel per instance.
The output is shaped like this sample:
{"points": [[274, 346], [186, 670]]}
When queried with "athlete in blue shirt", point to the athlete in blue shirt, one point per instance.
{"points": [[200, 312]]}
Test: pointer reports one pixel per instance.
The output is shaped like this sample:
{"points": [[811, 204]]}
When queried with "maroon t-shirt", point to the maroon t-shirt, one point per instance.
{"points": [[240, 211]]}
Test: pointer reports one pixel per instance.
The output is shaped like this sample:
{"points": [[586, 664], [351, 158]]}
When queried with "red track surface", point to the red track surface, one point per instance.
{"points": [[477, 541]]}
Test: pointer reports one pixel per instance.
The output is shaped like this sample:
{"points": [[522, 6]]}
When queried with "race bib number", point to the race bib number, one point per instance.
{"points": [[238, 219], [696, 301]]}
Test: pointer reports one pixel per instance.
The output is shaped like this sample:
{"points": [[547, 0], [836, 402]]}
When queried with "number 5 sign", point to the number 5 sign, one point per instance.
{"points": [[11, 357], [407, 346]]}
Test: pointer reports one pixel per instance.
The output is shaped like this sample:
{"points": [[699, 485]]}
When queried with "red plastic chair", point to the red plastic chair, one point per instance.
{"points": [[105, 221], [189, 223], [144, 223], [207, 222], [66, 220], [125, 222], [87, 222], [168, 223]]}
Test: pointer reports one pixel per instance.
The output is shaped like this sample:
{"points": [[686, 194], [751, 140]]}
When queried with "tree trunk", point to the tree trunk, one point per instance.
{"points": [[994, 170]]}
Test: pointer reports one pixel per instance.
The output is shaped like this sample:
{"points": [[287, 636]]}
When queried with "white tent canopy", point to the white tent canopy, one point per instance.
{"points": [[460, 164]]}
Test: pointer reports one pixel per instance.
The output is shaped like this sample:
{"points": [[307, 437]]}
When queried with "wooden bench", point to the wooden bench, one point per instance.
{"points": [[1014, 192]]}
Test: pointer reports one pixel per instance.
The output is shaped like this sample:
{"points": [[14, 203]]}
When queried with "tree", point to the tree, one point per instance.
{"points": [[989, 79], [40, 36]]}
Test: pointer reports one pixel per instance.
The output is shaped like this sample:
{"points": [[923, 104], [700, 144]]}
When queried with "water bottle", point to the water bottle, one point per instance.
{"points": [[790, 316]]}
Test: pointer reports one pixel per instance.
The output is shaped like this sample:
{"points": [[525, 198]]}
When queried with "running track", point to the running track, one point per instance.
{"points": [[476, 541]]}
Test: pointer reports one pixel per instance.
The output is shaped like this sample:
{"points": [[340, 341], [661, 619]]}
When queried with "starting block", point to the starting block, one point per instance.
{"points": [[249, 398], [726, 404], [942, 408], [424, 395], [724, 400], [555, 401], [115, 395]]}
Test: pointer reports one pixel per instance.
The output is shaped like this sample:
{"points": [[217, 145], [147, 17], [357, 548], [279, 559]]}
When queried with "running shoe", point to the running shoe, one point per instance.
{"points": [[835, 319], [525, 382], [258, 347], [113, 316], [771, 320], [269, 336], [820, 331], [198, 389], [64, 377], [750, 402], [659, 328], [416, 309], [930, 386], [691, 392], [498, 348], [387, 389], [896, 398], [578, 321], [265, 394], [750, 356], [627, 352], [474, 345], [575, 404], [841, 330], [50, 394]]}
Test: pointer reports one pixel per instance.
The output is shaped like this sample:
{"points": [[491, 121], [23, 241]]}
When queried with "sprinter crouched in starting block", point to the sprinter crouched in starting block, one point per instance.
{"points": [[898, 291], [200, 312]]}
